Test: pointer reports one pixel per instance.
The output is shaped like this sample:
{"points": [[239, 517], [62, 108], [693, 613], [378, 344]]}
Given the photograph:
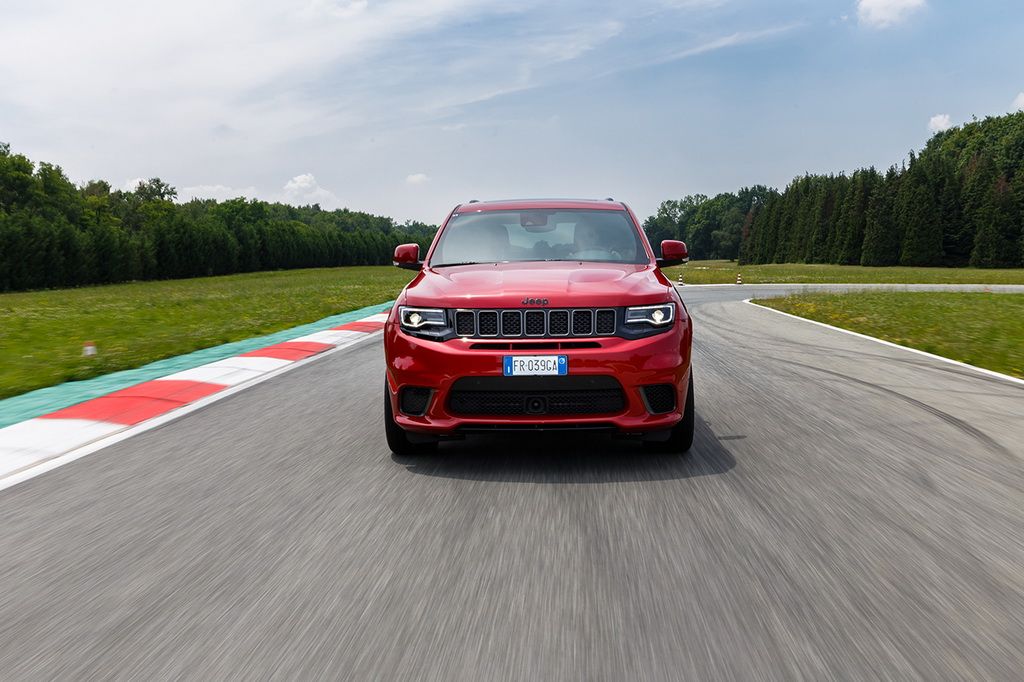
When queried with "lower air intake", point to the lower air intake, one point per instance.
{"points": [[413, 400], [660, 398], [532, 396], [512, 403]]}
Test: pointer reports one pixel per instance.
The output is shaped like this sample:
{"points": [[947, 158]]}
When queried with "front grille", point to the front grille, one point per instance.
{"points": [[536, 322], [605, 322], [582, 322], [660, 398], [487, 323], [531, 396], [465, 322], [511, 323], [558, 322]]}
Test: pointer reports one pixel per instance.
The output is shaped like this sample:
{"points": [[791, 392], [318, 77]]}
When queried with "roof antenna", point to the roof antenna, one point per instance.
{"points": [[474, 201], [609, 199]]}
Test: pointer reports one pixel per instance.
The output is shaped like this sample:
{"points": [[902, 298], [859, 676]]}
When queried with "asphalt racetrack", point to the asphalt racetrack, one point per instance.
{"points": [[849, 510]]}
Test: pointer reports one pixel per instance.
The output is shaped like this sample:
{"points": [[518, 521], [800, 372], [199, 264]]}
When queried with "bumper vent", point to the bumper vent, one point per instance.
{"points": [[536, 396], [512, 403], [660, 398], [413, 400]]}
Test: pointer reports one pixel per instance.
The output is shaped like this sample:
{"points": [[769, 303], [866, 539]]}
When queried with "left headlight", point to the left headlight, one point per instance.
{"points": [[657, 315], [430, 322]]}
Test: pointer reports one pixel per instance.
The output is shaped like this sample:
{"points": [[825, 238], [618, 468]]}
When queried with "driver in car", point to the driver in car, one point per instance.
{"points": [[589, 244]]}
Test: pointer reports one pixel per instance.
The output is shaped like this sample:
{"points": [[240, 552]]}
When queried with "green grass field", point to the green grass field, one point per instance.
{"points": [[724, 272], [981, 329], [42, 332]]}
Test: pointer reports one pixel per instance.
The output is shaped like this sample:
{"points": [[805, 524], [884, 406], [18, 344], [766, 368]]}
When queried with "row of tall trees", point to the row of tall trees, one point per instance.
{"points": [[55, 234], [959, 202], [711, 227]]}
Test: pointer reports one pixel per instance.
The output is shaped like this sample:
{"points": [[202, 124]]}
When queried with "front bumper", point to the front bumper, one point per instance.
{"points": [[660, 359]]}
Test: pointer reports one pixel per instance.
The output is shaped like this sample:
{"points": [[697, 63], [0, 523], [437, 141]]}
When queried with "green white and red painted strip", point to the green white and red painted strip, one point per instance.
{"points": [[27, 447]]}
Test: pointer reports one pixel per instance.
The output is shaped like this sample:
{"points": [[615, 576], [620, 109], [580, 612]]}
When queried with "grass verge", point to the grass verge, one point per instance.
{"points": [[981, 329], [42, 332], [724, 272]]}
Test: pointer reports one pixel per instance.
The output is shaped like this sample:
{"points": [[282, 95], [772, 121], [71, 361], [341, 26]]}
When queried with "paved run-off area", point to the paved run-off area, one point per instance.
{"points": [[849, 510]]}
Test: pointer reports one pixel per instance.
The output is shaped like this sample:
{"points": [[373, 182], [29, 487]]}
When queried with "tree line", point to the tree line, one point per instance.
{"points": [[958, 202], [56, 234]]}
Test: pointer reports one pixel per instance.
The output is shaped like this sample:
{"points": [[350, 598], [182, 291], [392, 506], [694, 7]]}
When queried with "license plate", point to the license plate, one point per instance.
{"points": [[535, 365]]}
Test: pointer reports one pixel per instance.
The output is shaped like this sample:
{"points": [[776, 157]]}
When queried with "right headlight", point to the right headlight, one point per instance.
{"points": [[426, 322], [659, 315]]}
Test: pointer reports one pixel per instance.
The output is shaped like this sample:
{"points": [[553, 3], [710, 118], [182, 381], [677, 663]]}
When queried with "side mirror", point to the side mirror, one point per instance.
{"points": [[408, 256], [673, 252]]}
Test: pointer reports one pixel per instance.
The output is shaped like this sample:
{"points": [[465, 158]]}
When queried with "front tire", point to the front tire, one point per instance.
{"points": [[681, 438], [398, 439]]}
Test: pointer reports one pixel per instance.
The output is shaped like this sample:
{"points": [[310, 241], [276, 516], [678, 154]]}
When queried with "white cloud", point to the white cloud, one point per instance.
{"points": [[299, 191], [130, 185], [886, 13], [248, 67], [304, 189], [216, 97], [218, 192], [416, 178], [939, 122], [335, 8], [1018, 102], [720, 43]]}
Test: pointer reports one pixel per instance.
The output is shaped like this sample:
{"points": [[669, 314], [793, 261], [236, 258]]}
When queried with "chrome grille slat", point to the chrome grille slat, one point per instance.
{"points": [[487, 323], [582, 322], [558, 322], [511, 323], [534, 322], [465, 323]]}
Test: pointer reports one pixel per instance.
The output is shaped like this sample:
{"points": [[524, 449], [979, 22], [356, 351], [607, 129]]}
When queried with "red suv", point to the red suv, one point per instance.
{"points": [[538, 315]]}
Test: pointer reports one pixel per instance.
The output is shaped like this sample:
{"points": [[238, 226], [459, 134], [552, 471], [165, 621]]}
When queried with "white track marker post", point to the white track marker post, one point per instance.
{"points": [[739, 278]]}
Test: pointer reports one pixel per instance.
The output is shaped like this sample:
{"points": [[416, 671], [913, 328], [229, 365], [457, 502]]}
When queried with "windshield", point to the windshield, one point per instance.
{"points": [[530, 235]]}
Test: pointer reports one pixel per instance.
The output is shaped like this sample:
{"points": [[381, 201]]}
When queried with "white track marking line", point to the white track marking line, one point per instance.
{"points": [[982, 370], [53, 436], [331, 336], [123, 433], [35, 440], [226, 376], [253, 362]]}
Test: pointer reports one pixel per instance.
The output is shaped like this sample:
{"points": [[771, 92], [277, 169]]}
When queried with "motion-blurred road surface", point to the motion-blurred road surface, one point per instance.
{"points": [[849, 510]]}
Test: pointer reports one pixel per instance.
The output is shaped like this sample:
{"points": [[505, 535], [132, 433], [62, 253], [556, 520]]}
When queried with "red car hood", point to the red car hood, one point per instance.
{"points": [[564, 284]]}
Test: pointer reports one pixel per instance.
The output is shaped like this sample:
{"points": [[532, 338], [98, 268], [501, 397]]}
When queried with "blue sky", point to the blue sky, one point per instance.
{"points": [[410, 106]]}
